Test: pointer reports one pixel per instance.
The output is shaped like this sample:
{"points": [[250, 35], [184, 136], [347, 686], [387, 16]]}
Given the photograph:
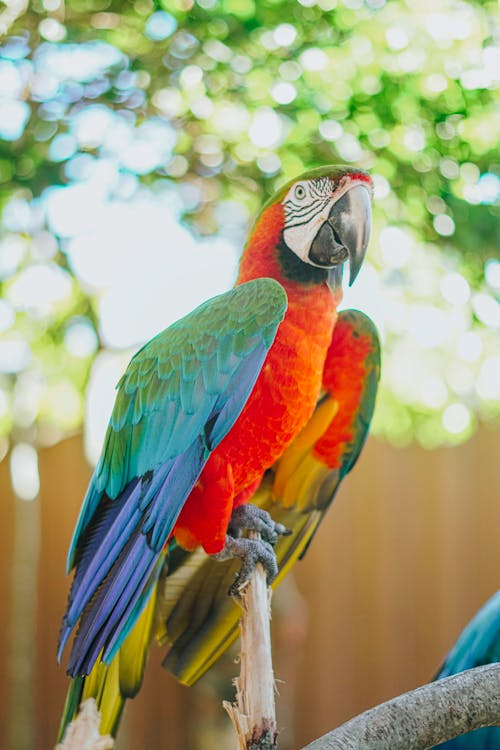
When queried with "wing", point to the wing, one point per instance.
{"points": [[200, 620], [111, 684], [178, 398], [479, 643]]}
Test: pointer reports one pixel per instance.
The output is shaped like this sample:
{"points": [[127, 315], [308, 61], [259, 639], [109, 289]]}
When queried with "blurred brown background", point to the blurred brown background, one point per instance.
{"points": [[408, 553]]}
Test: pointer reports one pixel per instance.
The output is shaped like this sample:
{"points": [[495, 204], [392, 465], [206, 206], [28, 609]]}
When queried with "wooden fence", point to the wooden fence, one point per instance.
{"points": [[408, 553]]}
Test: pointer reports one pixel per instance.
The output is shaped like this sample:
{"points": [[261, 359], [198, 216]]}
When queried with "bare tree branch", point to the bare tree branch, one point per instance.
{"points": [[423, 717], [253, 714]]}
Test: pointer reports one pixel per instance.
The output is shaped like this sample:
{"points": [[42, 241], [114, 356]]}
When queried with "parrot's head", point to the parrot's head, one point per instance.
{"points": [[320, 220]]}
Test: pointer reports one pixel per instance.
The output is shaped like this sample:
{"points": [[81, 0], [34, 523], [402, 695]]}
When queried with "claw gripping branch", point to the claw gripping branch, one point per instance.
{"points": [[252, 550]]}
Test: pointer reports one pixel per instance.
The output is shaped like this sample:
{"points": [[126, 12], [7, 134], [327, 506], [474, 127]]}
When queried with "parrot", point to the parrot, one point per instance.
{"points": [[245, 415], [478, 644]]}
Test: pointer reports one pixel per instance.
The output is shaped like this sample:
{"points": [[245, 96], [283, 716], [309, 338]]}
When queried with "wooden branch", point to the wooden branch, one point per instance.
{"points": [[253, 714], [423, 717], [83, 732]]}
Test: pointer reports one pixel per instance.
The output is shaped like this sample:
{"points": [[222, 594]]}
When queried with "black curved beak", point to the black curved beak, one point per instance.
{"points": [[344, 234]]}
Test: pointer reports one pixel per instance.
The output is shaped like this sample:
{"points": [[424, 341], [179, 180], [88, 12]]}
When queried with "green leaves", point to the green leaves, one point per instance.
{"points": [[224, 99]]}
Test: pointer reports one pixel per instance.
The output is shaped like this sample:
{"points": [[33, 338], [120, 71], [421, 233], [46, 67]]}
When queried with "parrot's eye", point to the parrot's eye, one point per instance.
{"points": [[300, 192]]}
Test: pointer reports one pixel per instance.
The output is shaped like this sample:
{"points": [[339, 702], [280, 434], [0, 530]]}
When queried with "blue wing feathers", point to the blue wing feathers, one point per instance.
{"points": [[186, 391], [226, 358], [125, 555], [130, 617], [105, 555], [89, 507], [161, 515], [199, 395], [107, 610], [117, 639], [234, 398]]}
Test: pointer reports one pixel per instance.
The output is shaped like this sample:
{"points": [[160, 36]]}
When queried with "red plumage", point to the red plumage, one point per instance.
{"points": [[282, 400]]}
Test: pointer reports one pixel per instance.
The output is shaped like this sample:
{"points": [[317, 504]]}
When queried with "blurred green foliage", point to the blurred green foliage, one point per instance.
{"points": [[243, 94]]}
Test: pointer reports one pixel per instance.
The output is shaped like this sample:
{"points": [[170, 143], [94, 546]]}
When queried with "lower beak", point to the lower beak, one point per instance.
{"points": [[344, 234]]}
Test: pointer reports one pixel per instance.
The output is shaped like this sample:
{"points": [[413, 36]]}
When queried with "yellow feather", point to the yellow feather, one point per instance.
{"points": [[302, 485], [301, 446], [102, 684], [213, 647], [134, 651], [301, 536]]}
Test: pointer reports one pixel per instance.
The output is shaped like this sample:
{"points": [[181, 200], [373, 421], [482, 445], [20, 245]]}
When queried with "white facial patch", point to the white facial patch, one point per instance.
{"points": [[307, 205]]}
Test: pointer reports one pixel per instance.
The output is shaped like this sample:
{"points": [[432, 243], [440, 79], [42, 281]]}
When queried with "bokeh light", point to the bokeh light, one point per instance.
{"points": [[136, 156]]}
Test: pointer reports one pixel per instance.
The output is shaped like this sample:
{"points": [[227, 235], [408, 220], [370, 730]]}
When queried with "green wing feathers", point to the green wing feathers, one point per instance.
{"points": [[200, 620]]}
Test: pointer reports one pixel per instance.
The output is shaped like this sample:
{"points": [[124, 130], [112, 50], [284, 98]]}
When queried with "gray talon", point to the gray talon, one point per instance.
{"points": [[249, 517], [251, 552]]}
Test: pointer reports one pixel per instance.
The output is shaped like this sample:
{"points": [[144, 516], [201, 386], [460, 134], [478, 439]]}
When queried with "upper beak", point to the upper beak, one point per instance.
{"points": [[344, 234]]}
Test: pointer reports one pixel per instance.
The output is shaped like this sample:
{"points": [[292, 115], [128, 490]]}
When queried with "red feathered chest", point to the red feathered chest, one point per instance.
{"points": [[286, 390]]}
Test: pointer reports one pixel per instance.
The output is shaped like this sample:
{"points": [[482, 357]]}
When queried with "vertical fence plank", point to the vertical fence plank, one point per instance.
{"points": [[64, 476], [6, 560]]}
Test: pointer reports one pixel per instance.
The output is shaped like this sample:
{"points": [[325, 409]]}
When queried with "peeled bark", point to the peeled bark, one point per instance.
{"points": [[253, 715], [83, 732]]}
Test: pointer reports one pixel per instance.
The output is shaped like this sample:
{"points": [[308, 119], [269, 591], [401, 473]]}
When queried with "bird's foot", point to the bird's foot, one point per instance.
{"points": [[251, 551], [249, 517]]}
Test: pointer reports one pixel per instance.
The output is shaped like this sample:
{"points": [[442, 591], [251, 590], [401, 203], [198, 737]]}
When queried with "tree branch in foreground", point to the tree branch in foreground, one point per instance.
{"points": [[424, 717], [83, 732], [253, 714]]}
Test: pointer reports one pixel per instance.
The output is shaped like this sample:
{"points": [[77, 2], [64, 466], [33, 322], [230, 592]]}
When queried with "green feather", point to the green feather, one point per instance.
{"points": [[73, 699]]}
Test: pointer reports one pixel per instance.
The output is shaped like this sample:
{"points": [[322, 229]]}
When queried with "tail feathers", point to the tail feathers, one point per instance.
{"points": [[200, 621], [73, 700], [111, 684], [135, 648], [102, 684], [118, 557]]}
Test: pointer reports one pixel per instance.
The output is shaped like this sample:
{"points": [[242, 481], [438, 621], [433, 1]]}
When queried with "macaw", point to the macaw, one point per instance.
{"points": [[478, 644], [264, 393]]}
